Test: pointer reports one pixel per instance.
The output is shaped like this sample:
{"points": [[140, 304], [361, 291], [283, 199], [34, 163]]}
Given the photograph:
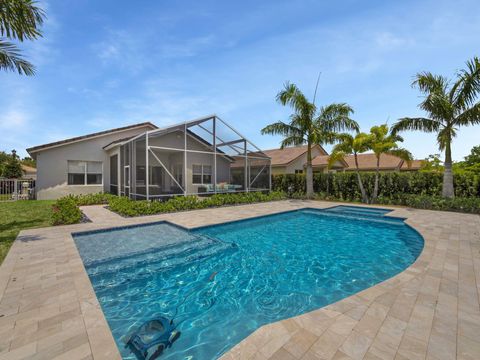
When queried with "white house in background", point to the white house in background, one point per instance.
{"points": [[142, 161]]}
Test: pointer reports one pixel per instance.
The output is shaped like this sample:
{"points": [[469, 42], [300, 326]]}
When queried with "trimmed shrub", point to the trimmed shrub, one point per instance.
{"points": [[126, 207], [65, 211], [91, 199]]}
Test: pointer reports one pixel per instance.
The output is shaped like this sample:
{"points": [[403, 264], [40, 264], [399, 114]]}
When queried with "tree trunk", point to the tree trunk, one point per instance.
{"points": [[360, 182], [309, 177], [447, 189], [375, 188]]}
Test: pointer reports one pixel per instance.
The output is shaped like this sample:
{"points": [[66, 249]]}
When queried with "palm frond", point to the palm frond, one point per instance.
{"points": [[336, 117], [321, 137], [11, 60], [343, 147], [361, 142], [279, 128], [21, 19], [419, 123], [467, 87], [401, 153], [292, 140], [438, 106], [470, 116], [429, 83], [445, 137], [344, 138], [336, 156], [291, 95]]}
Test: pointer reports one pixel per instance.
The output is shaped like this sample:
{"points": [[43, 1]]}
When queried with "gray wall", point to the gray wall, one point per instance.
{"points": [[52, 166]]}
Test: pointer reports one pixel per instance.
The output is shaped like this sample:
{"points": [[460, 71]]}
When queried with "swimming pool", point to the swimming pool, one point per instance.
{"points": [[227, 280]]}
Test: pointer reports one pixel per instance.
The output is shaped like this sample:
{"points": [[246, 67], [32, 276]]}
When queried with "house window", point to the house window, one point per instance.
{"points": [[85, 172], [298, 171], [202, 174]]}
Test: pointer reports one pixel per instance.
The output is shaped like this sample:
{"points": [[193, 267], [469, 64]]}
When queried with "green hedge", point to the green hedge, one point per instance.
{"points": [[459, 204], [91, 199], [344, 186], [65, 211], [126, 207]]}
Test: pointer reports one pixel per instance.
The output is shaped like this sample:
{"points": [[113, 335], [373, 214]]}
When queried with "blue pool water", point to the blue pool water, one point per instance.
{"points": [[225, 281]]}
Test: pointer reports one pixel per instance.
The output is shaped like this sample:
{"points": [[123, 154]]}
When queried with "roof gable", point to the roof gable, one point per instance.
{"points": [[369, 162], [287, 155], [322, 160], [35, 149]]}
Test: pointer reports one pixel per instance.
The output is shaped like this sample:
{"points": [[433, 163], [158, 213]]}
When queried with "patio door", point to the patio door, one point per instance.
{"points": [[126, 176]]}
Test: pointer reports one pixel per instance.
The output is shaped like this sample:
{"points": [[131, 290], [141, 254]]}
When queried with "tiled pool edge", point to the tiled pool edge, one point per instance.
{"points": [[55, 245]]}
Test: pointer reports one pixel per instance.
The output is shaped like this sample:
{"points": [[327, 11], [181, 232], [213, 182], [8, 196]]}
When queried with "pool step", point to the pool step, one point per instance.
{"points": [[372, 217], [138, 265], [358, 210]]}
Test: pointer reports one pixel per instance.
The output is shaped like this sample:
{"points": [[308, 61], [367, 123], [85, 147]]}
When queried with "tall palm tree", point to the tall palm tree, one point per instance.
{"points": [[351, 145], [309, 125], [383, 142], [19, 20], [449, 106]]}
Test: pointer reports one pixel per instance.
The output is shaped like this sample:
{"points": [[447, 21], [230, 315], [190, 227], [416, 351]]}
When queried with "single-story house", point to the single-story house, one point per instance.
{"points": [[368, 162], [143, 161], [29, 172], [293, 160]]}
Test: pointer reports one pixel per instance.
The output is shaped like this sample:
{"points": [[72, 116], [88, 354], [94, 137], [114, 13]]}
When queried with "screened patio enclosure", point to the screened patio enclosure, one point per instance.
{"points": [[199, 157]]}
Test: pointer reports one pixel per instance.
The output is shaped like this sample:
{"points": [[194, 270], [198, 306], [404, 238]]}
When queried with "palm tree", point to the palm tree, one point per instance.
{"points": [[383, 142], [19, 20], [308, 125], [351, 145], [449, 106]]}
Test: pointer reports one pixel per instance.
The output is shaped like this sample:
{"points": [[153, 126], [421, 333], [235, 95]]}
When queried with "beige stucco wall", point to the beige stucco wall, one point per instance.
{"points": [[278, 170], [52, 168], [297, 164]]}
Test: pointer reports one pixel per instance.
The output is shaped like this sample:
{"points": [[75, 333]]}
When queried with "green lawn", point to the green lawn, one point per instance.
{"points": [[19, 215]]}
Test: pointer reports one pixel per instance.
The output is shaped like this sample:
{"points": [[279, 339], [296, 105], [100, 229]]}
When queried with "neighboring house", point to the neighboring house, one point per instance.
{"points": [[29, 172], [292, 160], [368, 162], [415, 165], [320, 164], [144, 162]]}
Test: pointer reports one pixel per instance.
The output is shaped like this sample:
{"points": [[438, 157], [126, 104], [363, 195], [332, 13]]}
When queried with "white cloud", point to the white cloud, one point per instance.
{"points": [[133, 53], [387, 40], [108, 52], [14, 120], [15, 123]]}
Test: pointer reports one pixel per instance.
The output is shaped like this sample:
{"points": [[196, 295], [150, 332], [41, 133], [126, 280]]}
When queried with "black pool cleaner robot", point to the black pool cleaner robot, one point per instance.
{"points": [[154, 336], [150, 340]]}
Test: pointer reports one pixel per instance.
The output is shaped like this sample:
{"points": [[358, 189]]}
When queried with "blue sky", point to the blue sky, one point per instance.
{"points": [[104, 64]]}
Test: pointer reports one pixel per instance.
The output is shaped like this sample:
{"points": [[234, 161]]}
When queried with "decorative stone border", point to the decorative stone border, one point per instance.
{"points": [[48, 309]]}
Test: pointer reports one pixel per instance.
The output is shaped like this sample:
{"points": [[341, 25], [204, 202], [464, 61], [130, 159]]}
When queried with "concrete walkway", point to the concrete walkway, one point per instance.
{"points": [[48, 309]]}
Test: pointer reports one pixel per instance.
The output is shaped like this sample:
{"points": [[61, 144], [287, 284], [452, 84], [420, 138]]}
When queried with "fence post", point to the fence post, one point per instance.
{"points": [[15, 189]]}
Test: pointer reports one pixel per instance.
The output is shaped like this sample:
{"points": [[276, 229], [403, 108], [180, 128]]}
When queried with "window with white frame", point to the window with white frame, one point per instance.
{"points": [[85, 172], [202, 174]]}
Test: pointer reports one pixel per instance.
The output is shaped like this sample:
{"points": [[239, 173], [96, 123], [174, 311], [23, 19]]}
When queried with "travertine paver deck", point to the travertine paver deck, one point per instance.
{"points": [[48, 309]]}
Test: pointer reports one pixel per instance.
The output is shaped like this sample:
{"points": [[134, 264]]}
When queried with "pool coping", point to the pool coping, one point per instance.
{"points": [[45, 291]]}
